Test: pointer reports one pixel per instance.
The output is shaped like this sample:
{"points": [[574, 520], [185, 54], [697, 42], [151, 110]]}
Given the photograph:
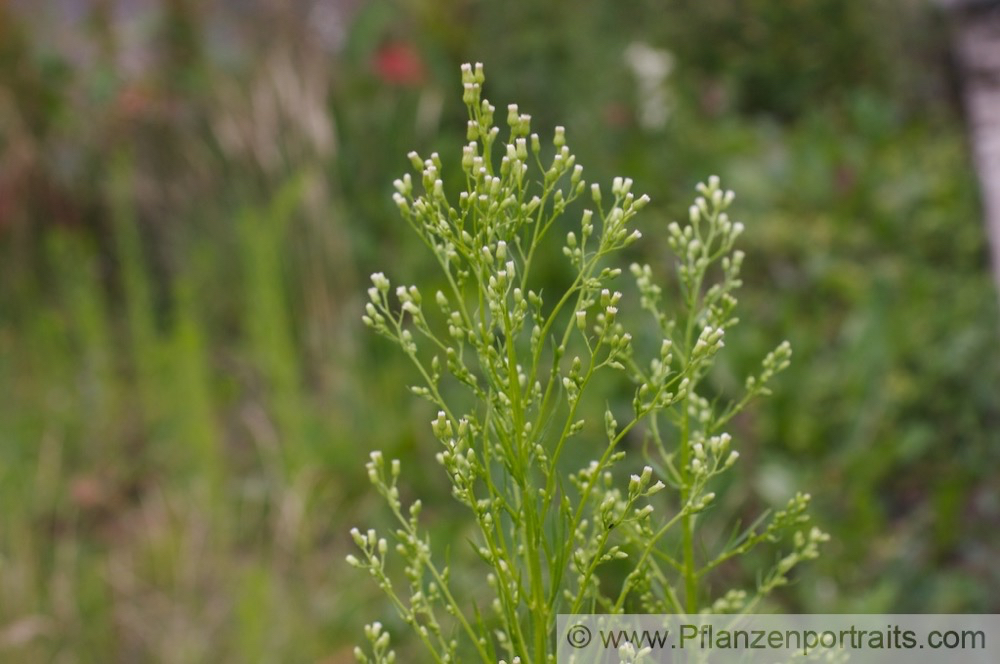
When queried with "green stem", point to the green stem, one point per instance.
{"points": [[532, 527], [646, 552], [687, 521], [445, 591]]}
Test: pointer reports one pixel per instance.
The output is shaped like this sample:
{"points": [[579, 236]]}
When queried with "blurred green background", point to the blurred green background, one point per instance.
{"points": [[192, 195]]}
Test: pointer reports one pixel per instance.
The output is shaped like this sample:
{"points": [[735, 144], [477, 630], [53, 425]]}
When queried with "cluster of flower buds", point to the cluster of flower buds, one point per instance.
{"points": [[378, 639], [709, 342], [774, 362], [712, 456]]}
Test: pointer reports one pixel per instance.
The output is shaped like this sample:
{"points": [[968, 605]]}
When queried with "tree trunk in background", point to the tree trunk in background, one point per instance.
{"points": [[976, 40]]}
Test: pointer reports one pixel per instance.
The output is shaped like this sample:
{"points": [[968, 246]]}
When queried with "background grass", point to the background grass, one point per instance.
{"points": [[192, 195]]}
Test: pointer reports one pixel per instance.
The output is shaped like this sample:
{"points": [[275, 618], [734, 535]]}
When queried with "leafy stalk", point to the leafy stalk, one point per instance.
{"points": [[547, 533]]}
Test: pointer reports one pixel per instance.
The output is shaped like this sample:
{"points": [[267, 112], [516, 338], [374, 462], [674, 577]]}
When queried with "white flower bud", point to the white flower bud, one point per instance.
{"points": [[644, 512], [731, 459]]}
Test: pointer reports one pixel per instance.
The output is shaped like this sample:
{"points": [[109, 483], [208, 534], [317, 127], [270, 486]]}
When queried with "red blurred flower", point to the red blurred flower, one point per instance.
{"points": [[617, 115], [399, 63]]}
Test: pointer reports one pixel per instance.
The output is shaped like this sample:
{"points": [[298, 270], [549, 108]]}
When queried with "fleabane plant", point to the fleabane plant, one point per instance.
{"points": [[509, 372]]}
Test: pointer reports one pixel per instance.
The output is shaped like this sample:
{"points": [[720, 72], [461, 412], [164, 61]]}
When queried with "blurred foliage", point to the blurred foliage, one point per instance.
{"points": [[191, 195]]}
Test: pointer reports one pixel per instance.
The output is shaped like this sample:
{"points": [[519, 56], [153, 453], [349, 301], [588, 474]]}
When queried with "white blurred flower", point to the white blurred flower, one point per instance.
{"points": [[651, 68]]}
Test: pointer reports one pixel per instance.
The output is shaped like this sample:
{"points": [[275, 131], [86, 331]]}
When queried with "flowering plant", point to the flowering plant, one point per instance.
{"points": [[549, 535]]}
